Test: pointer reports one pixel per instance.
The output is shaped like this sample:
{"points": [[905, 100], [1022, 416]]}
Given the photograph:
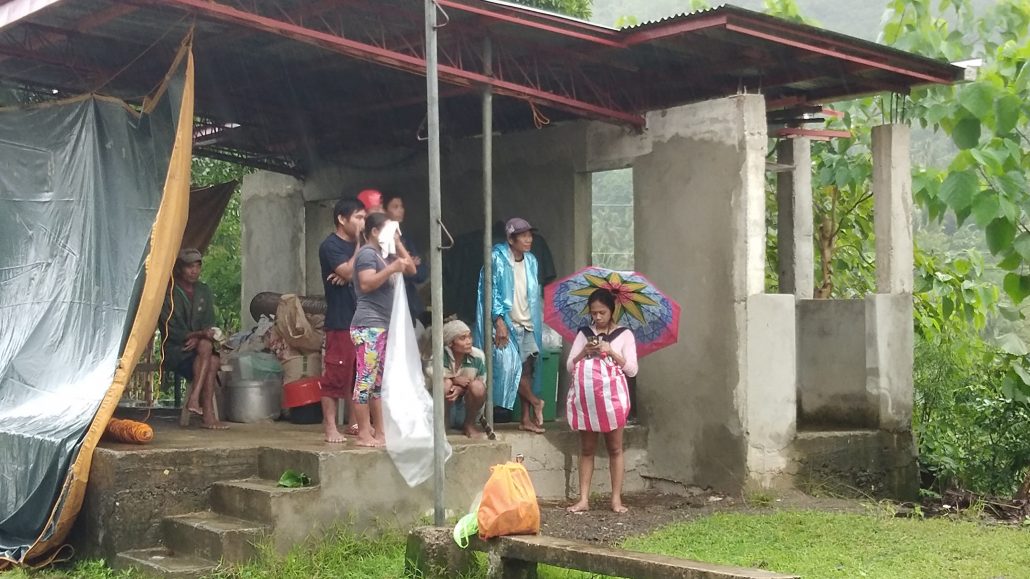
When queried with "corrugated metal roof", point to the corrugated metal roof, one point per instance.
{"points": [[344, 75]]}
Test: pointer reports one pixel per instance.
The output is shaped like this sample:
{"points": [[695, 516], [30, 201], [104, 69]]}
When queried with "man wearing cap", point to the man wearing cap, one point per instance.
{"points": [[187, 323], [517, 315]]}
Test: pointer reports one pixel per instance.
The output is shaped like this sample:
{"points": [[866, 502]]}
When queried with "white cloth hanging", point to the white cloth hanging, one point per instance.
{"points": [[407, 405]]}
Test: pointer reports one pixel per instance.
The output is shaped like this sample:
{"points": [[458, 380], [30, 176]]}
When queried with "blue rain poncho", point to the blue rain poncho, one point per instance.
{"points": [[507, 361]]}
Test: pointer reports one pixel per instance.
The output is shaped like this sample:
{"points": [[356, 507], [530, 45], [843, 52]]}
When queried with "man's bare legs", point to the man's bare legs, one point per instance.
{"points": [[332, 433], [475, 396], [532, 405], [201, 363], [204, 384], [587, 449]]}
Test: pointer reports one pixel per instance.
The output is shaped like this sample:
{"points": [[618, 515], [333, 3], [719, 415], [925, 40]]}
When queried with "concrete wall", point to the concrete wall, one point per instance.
{"points": [[699, 208], [272, 230], [537, 175], [831, 354], [553, 461]]}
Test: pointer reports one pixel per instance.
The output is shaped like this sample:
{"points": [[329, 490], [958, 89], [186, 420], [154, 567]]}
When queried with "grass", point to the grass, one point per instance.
{"points": [[817, 544], [809, 543]]}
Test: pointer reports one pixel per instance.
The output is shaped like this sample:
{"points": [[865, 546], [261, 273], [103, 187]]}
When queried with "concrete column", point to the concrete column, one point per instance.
{"points": [[795, 221], [892, 207], [272, 229], [771, 392], [699, 215]]}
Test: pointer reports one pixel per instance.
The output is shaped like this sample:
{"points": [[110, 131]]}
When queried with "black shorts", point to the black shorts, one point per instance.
{"points": [[185, 367]]}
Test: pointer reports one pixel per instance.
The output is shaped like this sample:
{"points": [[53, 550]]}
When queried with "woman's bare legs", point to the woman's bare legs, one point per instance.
{"points": [[587, 449]]}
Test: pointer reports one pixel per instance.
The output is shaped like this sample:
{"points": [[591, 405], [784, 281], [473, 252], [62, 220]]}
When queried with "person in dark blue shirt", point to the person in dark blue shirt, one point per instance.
{"points": [[336, 256], [394, 209]]}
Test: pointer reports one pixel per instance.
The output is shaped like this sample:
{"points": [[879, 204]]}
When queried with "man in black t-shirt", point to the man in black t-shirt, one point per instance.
{"points": [[336, 255]]}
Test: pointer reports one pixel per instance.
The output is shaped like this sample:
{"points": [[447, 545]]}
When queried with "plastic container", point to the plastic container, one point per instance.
{"points": [[253, 400], [549, 362], [307, 414], [302, 392], [256, 366]]}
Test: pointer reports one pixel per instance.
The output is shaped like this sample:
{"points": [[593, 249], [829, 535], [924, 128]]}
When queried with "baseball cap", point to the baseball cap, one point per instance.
{"points": [[370, 198], [517, 225], [189, 255]]}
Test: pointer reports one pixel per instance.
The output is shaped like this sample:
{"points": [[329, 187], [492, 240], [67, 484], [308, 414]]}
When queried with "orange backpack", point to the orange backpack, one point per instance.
{"points": [[509, 504]]}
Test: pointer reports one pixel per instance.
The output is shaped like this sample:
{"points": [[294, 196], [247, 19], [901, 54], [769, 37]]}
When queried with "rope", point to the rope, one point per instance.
{"points": [[141, 55], [539, 118], [129, 431]]}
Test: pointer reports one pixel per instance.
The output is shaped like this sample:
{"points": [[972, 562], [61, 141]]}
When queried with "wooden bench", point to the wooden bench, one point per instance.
{"points": [[433, 553]]}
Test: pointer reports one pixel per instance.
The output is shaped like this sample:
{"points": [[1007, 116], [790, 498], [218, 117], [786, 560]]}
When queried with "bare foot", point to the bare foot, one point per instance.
{"points": [[333, 436], [194, 407], [216, 425], [580, 507], [538, 411], [530, 427], [618, 507], [473, 432], [352, 430], [369, 443]]}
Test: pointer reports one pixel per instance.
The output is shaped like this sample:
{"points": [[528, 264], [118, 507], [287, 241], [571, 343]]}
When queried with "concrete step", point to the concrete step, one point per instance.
{"points": [[161, 562], [214, 536], [256, 499], [272, 462]]}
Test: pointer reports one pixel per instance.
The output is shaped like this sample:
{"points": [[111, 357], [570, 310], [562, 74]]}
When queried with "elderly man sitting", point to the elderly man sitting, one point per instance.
{"points": [[464, 377]]}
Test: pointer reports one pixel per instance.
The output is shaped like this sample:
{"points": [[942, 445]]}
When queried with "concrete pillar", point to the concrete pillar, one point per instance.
{"points": [[699, 215], [892, 208], [795, 221], [272, 230], [771, 416]]}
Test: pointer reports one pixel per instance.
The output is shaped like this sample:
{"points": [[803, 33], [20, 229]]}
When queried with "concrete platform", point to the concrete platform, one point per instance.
{"points": [[194, 498]]}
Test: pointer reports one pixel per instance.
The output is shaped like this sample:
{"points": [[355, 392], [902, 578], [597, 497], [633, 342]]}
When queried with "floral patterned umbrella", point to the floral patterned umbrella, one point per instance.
{"points": [[652, 316]]}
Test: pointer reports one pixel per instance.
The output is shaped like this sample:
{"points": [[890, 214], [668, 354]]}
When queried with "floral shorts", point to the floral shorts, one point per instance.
{"points": [[369, 354]]}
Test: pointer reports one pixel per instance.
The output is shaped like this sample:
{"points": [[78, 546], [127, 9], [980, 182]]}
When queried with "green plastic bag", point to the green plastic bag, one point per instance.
{"points": [[467, 526], [292, 479]]}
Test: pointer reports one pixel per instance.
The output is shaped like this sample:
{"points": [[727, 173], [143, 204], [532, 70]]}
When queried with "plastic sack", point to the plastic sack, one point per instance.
{"points": [[407, 405], [294, 328], [551, 339], [509, 504]]}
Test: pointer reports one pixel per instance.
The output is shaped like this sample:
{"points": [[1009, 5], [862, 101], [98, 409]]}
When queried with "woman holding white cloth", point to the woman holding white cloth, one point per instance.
{"points": [[374, 287], [601, 358]]}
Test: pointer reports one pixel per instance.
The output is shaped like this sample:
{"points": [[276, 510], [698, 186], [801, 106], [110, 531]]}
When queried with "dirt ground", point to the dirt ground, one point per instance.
{"points": [[650, 511]]}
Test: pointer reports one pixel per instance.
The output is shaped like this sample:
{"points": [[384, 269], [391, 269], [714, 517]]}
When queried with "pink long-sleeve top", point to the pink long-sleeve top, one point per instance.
{"points": [[625, 344]]}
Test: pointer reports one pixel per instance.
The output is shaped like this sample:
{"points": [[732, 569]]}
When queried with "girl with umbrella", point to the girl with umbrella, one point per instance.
{"points": [[602, 356]]}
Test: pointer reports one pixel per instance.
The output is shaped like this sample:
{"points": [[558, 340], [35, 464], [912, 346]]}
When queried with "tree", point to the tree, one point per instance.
{"points": [[222, 270], [575, 8]]}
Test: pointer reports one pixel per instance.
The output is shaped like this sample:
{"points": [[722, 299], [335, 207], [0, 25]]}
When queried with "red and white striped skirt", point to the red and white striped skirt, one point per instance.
{"points": [[598, 398]]}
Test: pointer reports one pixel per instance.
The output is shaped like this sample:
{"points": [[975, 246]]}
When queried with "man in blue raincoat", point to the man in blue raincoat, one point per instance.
{"points": [[517, 315]]}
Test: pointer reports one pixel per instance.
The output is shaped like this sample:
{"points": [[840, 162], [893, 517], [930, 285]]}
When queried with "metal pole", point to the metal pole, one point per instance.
{"points": [[436, 261], [488, 210]]}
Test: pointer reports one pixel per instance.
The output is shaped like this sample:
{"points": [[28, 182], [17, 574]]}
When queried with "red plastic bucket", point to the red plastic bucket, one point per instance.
{"points": [[302, 392]]}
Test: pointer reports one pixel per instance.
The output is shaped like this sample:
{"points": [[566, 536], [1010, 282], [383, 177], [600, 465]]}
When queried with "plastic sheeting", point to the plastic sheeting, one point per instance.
{"points": [[407, 405], [81, 183]]}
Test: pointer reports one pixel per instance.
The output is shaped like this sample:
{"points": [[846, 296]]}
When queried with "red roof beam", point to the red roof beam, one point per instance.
{"points": [[676, 28], [817, 134], [522, 13], [390, 58], [835, 53], [511, 18]]}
